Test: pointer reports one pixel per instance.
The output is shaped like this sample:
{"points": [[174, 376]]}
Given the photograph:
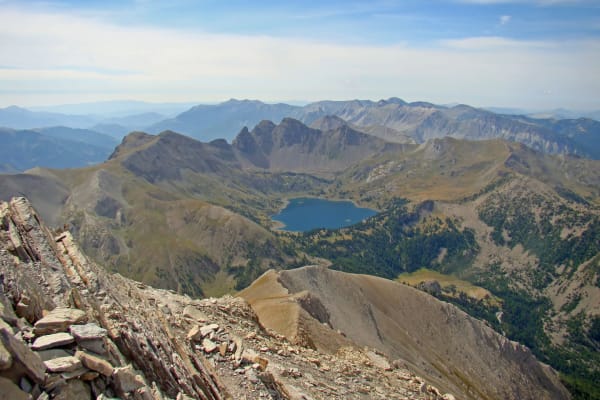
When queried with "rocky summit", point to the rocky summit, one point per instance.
{"points": [[69, 329]]}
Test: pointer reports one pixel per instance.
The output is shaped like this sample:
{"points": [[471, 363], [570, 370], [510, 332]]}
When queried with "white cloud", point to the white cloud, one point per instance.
{"points": [[505, 19], [61, 58]]}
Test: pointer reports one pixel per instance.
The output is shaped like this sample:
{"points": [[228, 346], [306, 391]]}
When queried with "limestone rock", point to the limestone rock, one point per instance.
{"points": [[95, 363], [90, 337], [59, 320], [87, 332], [52, 340], [63, 364], [22, 354], [10, 391], [127, 379]]}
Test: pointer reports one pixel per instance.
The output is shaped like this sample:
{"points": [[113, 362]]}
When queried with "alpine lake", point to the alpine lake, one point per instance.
{"points": [[305, 213]]}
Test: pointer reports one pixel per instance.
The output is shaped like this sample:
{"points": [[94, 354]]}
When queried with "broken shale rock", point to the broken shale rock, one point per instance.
{"points": [[58, 320]]}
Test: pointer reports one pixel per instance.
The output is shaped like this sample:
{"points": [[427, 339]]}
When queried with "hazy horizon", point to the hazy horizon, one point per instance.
{"points": [[530, 54]]}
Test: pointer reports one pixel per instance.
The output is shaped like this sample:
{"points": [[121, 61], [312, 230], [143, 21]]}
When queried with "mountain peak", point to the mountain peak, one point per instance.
{"points": [[328, 123], [14, 108]]}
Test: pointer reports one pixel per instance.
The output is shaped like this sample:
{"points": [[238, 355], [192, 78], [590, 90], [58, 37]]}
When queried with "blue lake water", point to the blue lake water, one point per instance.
{"points": [[303, 214]]}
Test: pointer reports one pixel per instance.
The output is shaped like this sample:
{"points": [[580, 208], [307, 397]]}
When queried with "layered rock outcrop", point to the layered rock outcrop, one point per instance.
{"points": [[69, 329]]}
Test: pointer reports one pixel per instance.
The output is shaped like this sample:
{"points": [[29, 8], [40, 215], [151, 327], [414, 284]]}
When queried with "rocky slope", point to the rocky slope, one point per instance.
{"points": [[293, 146], [69, 329], [326, 309], [423, 121]]}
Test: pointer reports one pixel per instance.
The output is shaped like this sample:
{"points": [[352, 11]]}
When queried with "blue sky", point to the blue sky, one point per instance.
{"points": [[518, 53]]}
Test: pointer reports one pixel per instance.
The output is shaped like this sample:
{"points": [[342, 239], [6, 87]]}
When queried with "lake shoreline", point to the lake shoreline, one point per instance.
{"points": [[351, 208]]}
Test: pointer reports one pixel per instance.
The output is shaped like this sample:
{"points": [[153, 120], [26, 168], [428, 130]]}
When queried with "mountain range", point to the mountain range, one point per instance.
{"points": [[55, 147], [516, 226], [393, 120]]}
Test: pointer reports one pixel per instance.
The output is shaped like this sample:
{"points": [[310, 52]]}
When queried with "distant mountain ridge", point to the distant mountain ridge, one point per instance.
{"points": [[54, 147], [392, 119], [207, 122], [397, 121]]}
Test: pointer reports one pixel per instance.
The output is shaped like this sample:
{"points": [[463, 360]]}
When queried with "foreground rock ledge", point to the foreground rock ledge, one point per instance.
{"points": [[150, 343]]}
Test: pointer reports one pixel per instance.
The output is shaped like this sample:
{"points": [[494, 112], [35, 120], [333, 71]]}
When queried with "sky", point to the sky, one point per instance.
{"points": [[533, 54]]}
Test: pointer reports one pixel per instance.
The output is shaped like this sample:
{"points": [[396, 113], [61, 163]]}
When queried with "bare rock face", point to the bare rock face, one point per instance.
{"points": [[55, 290]]}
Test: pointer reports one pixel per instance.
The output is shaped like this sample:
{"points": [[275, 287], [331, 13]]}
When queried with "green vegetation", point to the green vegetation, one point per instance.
{"points": [[404, 239], [394, 241], [557, 234]]}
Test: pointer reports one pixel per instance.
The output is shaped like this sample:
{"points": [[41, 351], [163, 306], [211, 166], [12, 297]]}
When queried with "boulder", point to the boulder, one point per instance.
{"points": [[31, 362], [52, 340], [59, 320]]}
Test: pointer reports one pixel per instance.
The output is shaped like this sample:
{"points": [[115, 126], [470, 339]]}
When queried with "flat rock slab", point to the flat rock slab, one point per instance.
{"points": [[53, 340], [63, 364], [19, 351], [89, 331], [59, 320], [95, 363]]}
